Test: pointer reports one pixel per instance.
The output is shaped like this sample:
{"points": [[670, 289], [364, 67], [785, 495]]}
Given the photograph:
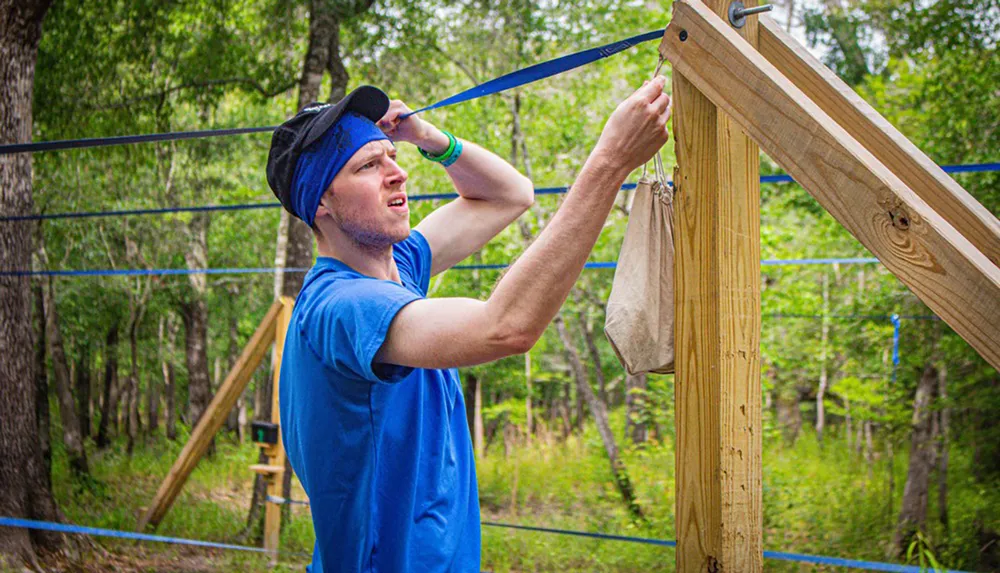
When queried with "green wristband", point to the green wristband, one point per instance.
{"points": [[447, 152]]}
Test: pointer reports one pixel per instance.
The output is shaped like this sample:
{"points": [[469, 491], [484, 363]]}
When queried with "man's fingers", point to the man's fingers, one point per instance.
{"points": [[652, 90], [661, 103]]}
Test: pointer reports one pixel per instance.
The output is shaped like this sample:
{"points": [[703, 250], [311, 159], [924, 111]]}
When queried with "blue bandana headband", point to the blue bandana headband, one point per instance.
{"points": [[321, 161]]}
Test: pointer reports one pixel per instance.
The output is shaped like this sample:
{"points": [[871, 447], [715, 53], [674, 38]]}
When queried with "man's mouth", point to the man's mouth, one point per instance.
{"points": [[397, 202]]}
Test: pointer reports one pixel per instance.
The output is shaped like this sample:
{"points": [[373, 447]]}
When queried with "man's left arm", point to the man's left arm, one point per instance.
{"points": [[492, 194]]}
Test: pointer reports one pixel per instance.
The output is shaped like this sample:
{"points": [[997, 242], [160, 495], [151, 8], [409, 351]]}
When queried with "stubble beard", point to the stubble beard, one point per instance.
{"points": [[365, 232]]}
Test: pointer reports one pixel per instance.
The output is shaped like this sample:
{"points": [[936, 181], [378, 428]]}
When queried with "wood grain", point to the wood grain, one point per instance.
{"points": [[958, 282], [885, 142], [272, 511], [213, 419], [717, 336]]}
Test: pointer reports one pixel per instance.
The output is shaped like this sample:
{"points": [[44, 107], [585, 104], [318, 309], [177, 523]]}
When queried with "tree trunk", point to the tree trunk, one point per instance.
{"points": [[944, 426], [233, 419], [195, 315], [110, 377], [42, 386], [82, 384], [913, 514], [169, 379], [22, 472], [821, 391], [67, 406], [636, 428], [132, 392], [600, 414], [790, 415], [587, 327]]}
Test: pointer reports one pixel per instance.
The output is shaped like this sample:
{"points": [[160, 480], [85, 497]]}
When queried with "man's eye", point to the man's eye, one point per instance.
{"points": [[367, 165]]}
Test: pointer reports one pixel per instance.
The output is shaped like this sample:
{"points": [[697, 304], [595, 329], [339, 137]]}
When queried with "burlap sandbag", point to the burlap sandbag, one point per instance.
{"points": [[640, 312]]}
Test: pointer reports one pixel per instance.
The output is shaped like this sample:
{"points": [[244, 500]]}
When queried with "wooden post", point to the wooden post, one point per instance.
{"points": [[213, 418], [717, 333], [272, 511]]}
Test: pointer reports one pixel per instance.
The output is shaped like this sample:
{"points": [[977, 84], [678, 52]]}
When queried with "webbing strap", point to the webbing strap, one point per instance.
{"points": [[543, 70]]}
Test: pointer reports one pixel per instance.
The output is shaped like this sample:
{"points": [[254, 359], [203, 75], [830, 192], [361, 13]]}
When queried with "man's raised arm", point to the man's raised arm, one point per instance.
{"points": [[444, 333]]}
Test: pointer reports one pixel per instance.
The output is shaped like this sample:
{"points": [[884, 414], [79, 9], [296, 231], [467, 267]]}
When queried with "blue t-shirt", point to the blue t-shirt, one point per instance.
{"points": [[383, 451]]}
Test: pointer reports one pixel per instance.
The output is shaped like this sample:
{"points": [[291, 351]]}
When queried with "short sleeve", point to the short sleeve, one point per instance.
{"points": [[348, 328], [413, 259]]}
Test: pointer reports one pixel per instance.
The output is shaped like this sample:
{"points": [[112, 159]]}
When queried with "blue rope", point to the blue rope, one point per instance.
{"points": [[542, 70], [271, 270], [646, 540], [854, 316], [98, 532], [430, 196], [517, 78], [895, 345], [778, 555]]}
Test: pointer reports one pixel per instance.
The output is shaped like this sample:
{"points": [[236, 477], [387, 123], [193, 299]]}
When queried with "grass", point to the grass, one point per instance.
{"points": [[825, 501]]}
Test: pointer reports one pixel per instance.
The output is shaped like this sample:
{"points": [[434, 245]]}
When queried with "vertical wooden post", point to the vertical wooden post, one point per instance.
{"points": [[272, 511], [717, 336]]}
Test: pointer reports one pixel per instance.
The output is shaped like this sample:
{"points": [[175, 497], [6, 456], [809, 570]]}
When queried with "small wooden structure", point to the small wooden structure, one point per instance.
{"points": [[734, 89], [271, 330]]}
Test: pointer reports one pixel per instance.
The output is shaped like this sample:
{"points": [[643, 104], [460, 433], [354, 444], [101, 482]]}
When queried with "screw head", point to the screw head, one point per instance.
{"points": [[684, 35]]}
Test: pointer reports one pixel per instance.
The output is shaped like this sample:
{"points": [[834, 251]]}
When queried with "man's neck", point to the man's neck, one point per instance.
{"points": [[373, 262]]}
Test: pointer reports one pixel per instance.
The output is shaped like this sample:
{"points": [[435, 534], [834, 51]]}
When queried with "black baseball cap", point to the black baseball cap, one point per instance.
{"points": [[291, 138]]}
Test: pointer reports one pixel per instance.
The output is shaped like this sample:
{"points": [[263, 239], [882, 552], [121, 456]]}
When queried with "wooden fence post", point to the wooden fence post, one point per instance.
{"points": [[717, 333]]}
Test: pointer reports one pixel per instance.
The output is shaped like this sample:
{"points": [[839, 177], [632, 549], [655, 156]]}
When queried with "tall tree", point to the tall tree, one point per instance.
{"points": [[913, 513], [23, 470]]}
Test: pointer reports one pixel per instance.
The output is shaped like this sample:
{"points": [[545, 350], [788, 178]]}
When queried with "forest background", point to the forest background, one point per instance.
{"points": [[123, 366]]}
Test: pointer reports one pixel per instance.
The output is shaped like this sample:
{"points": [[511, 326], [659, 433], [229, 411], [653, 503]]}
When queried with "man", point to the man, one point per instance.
{"points": [[372, 412]]}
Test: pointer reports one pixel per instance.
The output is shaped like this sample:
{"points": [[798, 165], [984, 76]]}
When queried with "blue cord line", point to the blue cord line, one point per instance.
{"points": [[99, 532], [970, 168], [780, 555], [271, 270], [777, 555]]}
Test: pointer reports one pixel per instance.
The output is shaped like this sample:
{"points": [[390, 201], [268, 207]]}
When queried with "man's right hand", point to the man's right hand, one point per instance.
{"points": [[637, 128]]}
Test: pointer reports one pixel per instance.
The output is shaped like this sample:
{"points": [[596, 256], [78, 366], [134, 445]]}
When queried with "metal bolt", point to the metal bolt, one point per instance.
{"points": [[684, 35], [738, 12]]}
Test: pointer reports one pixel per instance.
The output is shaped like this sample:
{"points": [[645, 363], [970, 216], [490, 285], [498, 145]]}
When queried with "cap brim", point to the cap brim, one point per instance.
{"points": [[369, 101]]}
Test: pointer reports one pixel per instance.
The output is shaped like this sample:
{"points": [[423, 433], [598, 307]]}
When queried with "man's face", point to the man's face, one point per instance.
{"points": [[367, 199]]}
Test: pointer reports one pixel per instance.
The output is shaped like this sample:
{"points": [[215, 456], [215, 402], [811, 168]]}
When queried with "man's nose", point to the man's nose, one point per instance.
{"points": [[396, 175]]}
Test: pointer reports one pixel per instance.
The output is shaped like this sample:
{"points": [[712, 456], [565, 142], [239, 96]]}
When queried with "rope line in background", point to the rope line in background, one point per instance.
{"points": [[964, 168], [271, 270], [100, 532], [514, 79], [778, 555]]}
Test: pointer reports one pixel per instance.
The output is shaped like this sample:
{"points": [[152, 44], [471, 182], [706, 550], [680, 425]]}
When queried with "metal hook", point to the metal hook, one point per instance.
{"points": [[738, 12]]}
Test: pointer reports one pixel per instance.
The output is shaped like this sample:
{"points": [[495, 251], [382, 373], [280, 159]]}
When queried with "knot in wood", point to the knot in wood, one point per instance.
{"points": [[713, 565], [900, 218]]}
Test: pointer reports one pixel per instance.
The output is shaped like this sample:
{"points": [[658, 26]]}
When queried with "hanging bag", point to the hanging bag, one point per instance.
{"points": [[640, 311]]}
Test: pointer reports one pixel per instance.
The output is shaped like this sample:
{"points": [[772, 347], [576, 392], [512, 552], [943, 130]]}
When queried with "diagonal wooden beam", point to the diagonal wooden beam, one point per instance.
{"points": [[885, 142], [213, 418], [912, 240]]}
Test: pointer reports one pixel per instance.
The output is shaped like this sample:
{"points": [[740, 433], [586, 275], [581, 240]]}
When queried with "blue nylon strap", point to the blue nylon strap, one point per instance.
{"points": [[542, 70], [269, 270], [99, 532], [970, 168], [778, 555], [895, 345]]}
